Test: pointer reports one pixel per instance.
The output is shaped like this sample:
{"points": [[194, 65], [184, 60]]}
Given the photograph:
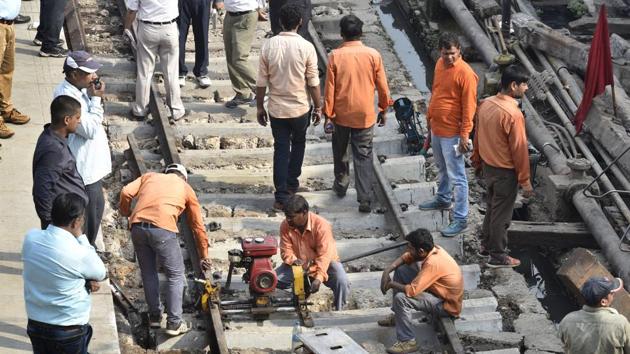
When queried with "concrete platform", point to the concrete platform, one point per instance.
{"points": [[33, 82]]}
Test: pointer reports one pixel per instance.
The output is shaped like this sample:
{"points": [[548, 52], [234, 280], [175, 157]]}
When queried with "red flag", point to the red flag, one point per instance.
{"points": [[598, 70]]}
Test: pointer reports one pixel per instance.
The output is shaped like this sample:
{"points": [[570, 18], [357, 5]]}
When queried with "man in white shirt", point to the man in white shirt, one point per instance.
{"points": [[157, 35], [89, 144]]}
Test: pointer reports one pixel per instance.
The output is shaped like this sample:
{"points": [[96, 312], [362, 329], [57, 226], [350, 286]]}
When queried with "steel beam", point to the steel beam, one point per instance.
{"points": [[73, 27]]}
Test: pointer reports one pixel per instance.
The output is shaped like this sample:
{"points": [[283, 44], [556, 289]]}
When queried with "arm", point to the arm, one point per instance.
{"points": [[195, 221], [261, 86], [312, 78], [132, 9], [428, 275], [384, 100], [45, 178], [91, 122], [286, 245], [127, 194], [476, 158], [324, 250], [517, 139], [91, 266], [329, 89], [469, 105], [386, 280]]}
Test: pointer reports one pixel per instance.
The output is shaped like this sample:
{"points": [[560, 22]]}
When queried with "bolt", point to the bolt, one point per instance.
{"points": [[578, 167]]}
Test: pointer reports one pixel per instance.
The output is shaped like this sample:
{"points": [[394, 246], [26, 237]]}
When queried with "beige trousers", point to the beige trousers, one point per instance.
{"points": [[238, 34], [7, 55], [157, 41]]}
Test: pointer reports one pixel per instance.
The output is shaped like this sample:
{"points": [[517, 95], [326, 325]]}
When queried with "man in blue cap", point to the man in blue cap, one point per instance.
{"points": [[596, 328], [88, 144]]}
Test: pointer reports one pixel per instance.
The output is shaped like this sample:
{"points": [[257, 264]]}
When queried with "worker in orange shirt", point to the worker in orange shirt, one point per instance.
{"points": [[162, 197], [306, 239], [450, 120], [354, 72], [500, 151]]}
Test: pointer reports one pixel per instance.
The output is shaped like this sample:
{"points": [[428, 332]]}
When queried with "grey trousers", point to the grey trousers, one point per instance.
{"points": [[238, 34], [337, 282], [94, 210], [153, 244], [361, 141], [502, 187], [158, 41], [404, 306]]}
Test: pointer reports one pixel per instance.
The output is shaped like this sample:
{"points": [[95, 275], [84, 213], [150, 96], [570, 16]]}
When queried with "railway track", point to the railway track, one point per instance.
{"points": [[229, 157]]}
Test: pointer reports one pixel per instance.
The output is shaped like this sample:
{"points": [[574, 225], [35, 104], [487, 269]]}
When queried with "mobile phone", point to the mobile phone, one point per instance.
{"points": [[97, 83]]}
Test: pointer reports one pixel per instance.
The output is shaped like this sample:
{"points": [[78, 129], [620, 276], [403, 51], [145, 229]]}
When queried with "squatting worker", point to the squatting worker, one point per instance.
{"points": [[354, 72], [500, 153], [157, 36], [435, 288], [596, 328], [450, 120], [60, 266], [89, 143], [54, 166], [306, 239], [161, 198], [288, 66]]}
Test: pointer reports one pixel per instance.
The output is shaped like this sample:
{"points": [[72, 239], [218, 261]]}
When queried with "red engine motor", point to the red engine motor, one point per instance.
{"points": [[255, 257]]}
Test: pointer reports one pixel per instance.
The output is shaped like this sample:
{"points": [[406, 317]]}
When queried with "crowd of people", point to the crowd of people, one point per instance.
{"points": [[72, 156]]}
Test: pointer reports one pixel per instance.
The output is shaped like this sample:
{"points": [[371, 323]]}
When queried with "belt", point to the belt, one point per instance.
{"points": [[51, 326], [159, 23], [6, 22], [239, 13], [145, 225]]}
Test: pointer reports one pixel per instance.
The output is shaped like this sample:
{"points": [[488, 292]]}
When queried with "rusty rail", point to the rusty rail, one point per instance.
{"points": [[73, 27]]}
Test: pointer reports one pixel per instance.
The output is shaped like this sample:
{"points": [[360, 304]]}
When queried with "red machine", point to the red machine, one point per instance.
{"points": [[256, 258]]}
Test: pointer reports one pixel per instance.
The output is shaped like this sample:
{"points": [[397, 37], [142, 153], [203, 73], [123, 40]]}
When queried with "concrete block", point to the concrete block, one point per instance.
{"points": [[545, 342], [502, 351], [473, 307], [487, 322], [472, 276], [408, 169], [414, 193], [529, 324], [510, 339], [559, 208], [432, 220]]}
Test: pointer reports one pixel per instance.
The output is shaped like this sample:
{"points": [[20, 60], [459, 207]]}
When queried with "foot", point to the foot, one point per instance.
{"points": [[483, 252], [175, 329], [455, 228], [278, 207], [136, 117], [155, 321], [403, 347], [22, 19], [503, 262], [56, 52], [434, 204], [38, 42], [15, 117], [339, 191], [179, 114], [389, 321], [204, 81], [364, 207], [182, 81], [5, 132], [238, 101]]}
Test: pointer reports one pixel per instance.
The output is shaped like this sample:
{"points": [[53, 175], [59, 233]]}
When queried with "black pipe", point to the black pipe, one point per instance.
{"points": [[506, 18], [374, 251]]}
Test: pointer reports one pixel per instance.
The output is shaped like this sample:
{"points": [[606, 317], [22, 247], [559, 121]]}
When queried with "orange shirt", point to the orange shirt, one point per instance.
{"points": [[441, 276], [316, 244], [453, 100], [500, 138], [353, 72], [161, 199]]}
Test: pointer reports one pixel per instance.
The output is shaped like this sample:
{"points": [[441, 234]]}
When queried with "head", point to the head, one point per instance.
{"points": [[351, 28], [68, 212], [420, 243], [290, 17], [296, 211], [514, 81], [177, 169], [599, 291], [80, 69], [450, 49], [65, 113]]}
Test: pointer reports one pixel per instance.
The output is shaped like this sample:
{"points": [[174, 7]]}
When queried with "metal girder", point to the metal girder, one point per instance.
{"points": [[73, 27], [134, 156]]}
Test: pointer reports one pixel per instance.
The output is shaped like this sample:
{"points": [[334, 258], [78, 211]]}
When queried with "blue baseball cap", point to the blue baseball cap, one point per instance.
{"points": [[597, 288], [81, 60]]}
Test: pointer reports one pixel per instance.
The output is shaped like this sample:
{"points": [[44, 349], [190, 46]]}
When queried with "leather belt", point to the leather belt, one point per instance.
{"points": [[159, 23], [240, 13], [51, 326], [7, 22], [145, 225]]}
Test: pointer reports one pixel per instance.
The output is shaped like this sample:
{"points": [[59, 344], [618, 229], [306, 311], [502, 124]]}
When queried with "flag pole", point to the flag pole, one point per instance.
{"points": [[614, 101]]}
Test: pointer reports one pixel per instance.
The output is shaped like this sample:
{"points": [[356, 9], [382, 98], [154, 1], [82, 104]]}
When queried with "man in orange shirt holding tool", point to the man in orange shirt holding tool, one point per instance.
{"points": [[501, 153], [450, 120], [354, 72], [162, 197]]}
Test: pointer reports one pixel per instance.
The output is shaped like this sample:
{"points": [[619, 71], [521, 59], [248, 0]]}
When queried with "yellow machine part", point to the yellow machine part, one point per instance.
{"points": [[298, 281], [210, 293]]}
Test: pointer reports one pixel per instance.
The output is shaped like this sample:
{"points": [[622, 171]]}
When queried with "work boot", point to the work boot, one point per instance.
{"points": [[389, 321], [5, 132], [434, 204], [15, 117], [409, 346], [175, 329]]}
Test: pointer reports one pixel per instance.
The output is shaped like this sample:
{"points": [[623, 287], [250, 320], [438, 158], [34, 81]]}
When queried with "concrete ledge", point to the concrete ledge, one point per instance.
{"points": [[487, 322]]}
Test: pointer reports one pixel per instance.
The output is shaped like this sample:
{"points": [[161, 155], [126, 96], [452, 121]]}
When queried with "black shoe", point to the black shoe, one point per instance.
{"points": [[135, 117], [364, 207], [22, 19], [338, 191], [56, 52], [155, 321], [238, 101]]}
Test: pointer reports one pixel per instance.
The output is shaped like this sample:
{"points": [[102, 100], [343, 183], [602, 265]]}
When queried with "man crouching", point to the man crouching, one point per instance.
{"points": [[436, 287]]}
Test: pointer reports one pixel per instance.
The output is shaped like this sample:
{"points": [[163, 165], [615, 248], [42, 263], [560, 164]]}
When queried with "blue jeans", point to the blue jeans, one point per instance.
{"points": [[289, 135], [451, 175], [51, 17], [50, 339], [337, 282]]}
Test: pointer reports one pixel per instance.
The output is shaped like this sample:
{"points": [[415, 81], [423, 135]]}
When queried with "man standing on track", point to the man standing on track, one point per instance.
{"points": [[51, 17]]}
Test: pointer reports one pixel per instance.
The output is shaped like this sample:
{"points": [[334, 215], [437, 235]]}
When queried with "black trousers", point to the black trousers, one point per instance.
{"points": [[94, 210], [50, 22], [274, 14], [197, 13], [361, 141]]}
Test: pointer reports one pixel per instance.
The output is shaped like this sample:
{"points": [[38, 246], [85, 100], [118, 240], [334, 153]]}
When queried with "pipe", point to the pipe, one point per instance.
{"points": [[374, 251], [556, 81], [615, 170], [506, 18], [277, 309], [561, 140], [604, 234], [566, 135], [575, 89]]}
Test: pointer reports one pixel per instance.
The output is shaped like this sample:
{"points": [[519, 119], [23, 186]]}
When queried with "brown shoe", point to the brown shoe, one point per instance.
{"points": [[504, 262], [5, 132], [15, 117]]}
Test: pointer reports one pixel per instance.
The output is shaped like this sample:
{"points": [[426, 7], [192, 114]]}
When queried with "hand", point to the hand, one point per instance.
{"points": [[219, 5], [385, 280], [463, 146], [94, 285], [528, 191], [316, 116], [205, 263], [298, 262], [92, 91], [262, 15], [261, 115], [315, 286], [381, 119], [329, 127]]}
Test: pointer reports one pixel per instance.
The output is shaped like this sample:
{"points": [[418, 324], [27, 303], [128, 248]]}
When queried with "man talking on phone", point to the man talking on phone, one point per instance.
{"points": [[354, 72], [89, 144]]}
